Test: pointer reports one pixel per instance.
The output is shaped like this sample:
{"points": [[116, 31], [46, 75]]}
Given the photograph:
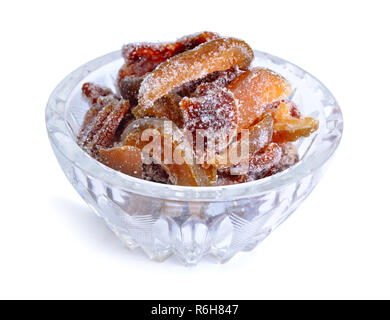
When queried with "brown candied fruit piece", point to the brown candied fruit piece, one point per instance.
{"points": [[254, 89], [252, 168], [167, 107], [218, 79], [191, 41], [260, 134], [211, 106], [258, 138], [185, 173], [213, 109], [92, 92], [292, 111], [93, 122], [106, 135], [201, 82], [128, 89], [225, 178], [288, 128], [215, 55], [263, 161], [188, 88], [101, 122], [154, 172], [126, 159], [134, 52], [141, 58], [292, 129], [88, 121], [288, 159]]}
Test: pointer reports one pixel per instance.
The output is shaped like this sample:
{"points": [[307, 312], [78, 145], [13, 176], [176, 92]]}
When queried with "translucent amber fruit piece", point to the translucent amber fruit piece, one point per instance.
{"points": [[254, 89], [215, 109], [291, 129], [260, 134], [126, 159], [288, 128]]}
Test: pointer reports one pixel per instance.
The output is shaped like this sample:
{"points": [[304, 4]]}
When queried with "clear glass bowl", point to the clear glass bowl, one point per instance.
{"points": [[191, 222]]}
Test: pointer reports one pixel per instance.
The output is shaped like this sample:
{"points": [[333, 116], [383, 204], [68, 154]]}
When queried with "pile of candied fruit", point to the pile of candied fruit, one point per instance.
{"points": [[203, 89]]}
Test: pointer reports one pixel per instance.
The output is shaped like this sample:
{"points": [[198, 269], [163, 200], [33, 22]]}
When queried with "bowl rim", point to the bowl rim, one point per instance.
{"points": [[62, 141]]}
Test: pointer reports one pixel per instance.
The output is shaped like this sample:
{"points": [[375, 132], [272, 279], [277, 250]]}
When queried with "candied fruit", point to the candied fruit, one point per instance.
{"points": [[194, 113], [126, 159]]}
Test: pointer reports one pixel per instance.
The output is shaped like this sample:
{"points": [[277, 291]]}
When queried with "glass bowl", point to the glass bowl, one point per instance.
{"points": [[191, 222]]}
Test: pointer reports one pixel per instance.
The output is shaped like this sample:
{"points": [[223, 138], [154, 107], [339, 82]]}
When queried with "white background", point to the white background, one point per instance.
{"points": [[337, 243]]}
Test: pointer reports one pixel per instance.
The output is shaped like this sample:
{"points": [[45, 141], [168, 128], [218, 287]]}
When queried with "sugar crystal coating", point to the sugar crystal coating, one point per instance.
{"points": [[103, 118], [126, 159]]}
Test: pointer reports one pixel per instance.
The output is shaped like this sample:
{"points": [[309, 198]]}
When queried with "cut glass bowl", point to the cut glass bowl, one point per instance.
{"points": [[191, 222]]}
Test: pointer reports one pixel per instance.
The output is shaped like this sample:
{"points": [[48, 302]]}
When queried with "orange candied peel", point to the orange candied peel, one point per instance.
{"points": [[141, 58], [254, 89]]}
